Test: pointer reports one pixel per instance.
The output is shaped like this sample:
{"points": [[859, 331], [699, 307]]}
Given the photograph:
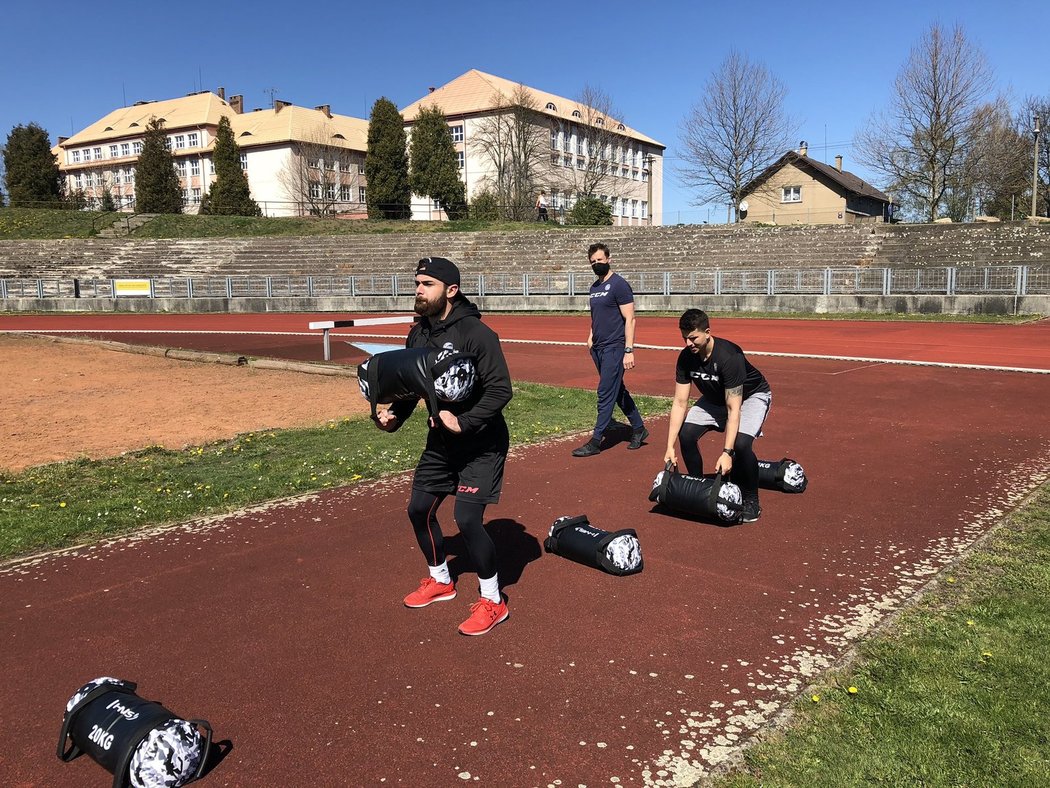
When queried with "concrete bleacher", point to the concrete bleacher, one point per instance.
{"points": [[634, 249]]}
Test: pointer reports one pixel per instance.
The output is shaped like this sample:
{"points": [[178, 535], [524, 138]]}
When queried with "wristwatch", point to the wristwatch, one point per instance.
{"points": [[628, 350], [730, 452]]}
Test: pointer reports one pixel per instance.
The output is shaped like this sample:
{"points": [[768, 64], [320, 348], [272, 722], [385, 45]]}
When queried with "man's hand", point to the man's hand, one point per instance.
{"points": [[628, 361], [669, 457], [724, 464], [386, 420], [450, 421]]}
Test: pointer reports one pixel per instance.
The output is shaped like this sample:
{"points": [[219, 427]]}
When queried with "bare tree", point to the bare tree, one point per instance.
{"points": [[592, 142], [737, 129], [924, 141], [1037, 106], [513, 142], [320, 177]]}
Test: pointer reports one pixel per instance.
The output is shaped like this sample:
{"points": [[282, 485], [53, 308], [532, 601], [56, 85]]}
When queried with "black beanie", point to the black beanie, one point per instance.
{"points": [[440, 268]]}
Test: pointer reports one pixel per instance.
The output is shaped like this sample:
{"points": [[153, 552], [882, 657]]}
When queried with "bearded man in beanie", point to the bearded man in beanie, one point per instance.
{"points": [[466, 446]]}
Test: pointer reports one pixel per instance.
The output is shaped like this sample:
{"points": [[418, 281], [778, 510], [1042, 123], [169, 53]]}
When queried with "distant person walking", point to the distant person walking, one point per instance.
{"points": [[541, 207], [611, 342]]}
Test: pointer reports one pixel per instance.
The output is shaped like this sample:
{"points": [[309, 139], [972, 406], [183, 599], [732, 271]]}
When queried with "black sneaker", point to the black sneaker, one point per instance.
{"points": [[637, 438], [751, 511], [589, 449]]}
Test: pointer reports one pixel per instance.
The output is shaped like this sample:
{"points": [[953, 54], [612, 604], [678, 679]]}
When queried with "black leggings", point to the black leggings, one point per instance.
{"points": [[469, 516], [745, 464]]}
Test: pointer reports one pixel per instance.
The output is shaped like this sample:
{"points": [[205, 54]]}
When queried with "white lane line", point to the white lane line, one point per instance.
{"points": [[772, 354]]}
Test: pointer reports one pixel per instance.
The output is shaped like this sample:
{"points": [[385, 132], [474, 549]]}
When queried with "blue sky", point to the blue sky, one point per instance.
{"points": [[68, 64]]}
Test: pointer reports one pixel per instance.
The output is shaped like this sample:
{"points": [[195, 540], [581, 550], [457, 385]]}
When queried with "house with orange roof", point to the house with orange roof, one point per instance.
{"points": [[299, 161], [574, 148]]}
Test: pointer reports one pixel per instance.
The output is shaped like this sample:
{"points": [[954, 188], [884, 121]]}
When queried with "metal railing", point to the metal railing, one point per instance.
{"points": [[990, 280]]}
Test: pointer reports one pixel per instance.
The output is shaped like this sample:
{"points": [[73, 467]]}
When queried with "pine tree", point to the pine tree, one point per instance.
{"points": [[229, 194], [386, 164], [434, 170], [32, 176], [157, 187]]}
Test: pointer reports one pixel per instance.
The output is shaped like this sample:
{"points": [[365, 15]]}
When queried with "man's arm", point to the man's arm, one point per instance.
{"points": [[627, 310], [679, 408], [734, 401], [495, 377]]}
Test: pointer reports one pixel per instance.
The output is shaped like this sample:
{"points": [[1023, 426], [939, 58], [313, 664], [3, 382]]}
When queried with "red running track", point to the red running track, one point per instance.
{"points": [[283, 625]]}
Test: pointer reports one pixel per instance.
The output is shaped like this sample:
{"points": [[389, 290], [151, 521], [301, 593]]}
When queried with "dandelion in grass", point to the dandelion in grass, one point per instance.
{"points": [[852, 690], [61, 504], [951, 579], [815, 698], [969, 622]]}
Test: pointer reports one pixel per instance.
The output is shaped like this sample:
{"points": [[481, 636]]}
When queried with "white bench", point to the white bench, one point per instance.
{"points": [[328, 325]]}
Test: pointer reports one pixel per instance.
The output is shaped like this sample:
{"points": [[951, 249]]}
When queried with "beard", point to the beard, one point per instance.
{"points": [[433, 308]]}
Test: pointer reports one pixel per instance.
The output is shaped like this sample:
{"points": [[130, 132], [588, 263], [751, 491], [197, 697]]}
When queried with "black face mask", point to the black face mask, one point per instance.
{"points": [[600, 269]]}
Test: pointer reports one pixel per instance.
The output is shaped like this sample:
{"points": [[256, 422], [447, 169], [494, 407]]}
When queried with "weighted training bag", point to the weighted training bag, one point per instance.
{"points": [[435, 374], [142, 743], [575, 538], [705, 496], [785, 476]]}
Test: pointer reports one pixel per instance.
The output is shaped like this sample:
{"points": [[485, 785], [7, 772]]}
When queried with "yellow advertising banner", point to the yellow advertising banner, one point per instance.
{"points": [[131, 287]]}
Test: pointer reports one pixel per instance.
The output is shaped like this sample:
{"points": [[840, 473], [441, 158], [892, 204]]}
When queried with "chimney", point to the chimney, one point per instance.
{"points": [[278, 105], [237, 104], [222, 93], [838, 163], [803, 148], [325, 108], [431, 89]]}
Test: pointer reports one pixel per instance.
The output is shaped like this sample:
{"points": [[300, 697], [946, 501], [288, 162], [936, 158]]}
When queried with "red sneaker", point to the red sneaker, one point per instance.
{"points": [[430, 590], [484, 615]]}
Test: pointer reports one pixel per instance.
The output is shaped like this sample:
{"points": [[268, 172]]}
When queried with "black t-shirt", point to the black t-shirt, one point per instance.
{"points": [[726, 368]]}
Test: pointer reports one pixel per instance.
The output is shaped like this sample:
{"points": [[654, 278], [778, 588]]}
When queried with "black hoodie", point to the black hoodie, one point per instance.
{"points": [[463, 330]]}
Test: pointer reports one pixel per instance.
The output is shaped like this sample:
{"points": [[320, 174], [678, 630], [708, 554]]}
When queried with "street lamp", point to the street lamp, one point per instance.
{"points": [[1035, 165]]}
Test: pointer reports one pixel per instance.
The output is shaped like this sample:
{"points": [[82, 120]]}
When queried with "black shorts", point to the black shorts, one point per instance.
{"points": [[469, 468]]}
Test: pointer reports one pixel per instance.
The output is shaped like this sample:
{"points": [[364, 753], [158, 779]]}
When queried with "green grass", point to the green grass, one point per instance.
{"points": [[956, 693], [22, 223], [189, 226], [62, 504]]}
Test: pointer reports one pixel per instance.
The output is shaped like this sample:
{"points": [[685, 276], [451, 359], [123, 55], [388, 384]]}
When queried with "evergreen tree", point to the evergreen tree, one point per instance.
{"points": [[229, 194], [434, 171], [386, 164], [32, 174], [157, 187]]}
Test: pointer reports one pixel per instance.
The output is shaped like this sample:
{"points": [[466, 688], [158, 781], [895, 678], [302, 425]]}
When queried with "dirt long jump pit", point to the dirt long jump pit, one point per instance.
{"points": [[68, 399]]}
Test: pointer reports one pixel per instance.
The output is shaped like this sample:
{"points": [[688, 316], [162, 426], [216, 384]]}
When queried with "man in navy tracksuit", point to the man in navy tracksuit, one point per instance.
{"points": [[466, 448], [611, 342]]}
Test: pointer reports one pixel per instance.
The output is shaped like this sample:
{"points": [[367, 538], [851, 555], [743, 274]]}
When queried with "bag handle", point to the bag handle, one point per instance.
{"points": [[67, 721]]}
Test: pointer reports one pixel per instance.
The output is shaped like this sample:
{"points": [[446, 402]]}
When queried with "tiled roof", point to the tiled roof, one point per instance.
{"points": [[250, 129], [476, 92], [847, 180]]}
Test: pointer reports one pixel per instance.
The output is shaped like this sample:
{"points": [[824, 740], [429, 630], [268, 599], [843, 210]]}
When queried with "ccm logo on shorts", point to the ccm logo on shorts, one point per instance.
{"points": [[465, 489]]}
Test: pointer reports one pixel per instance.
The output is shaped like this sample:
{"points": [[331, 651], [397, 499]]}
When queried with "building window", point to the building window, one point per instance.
{"points": [[244, 161], [567, 161], [645, 209], [131, 175], [76, 157], [137, 146], [118, 176], [79, 181], [361, 194], [315, 191], [167, 143], [346, 193], [196, 196], [185, 196], [193, 140], [125, 149], [580, 163], [316, 164], [579, 146], [645, 175], [460, 159], [457, 133], [98, 153], [551, 107], [211, 166], [113, 151], [195, 167], [554, 139], [634, 208], [89, 179], [329, 192], [555, 159], [791, 194], [87, 154], [576, 113], [361, 168], [180, 141]]}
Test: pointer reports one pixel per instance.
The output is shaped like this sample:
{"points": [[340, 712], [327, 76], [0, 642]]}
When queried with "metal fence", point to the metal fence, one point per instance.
{"points": [[1001, 280]]}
